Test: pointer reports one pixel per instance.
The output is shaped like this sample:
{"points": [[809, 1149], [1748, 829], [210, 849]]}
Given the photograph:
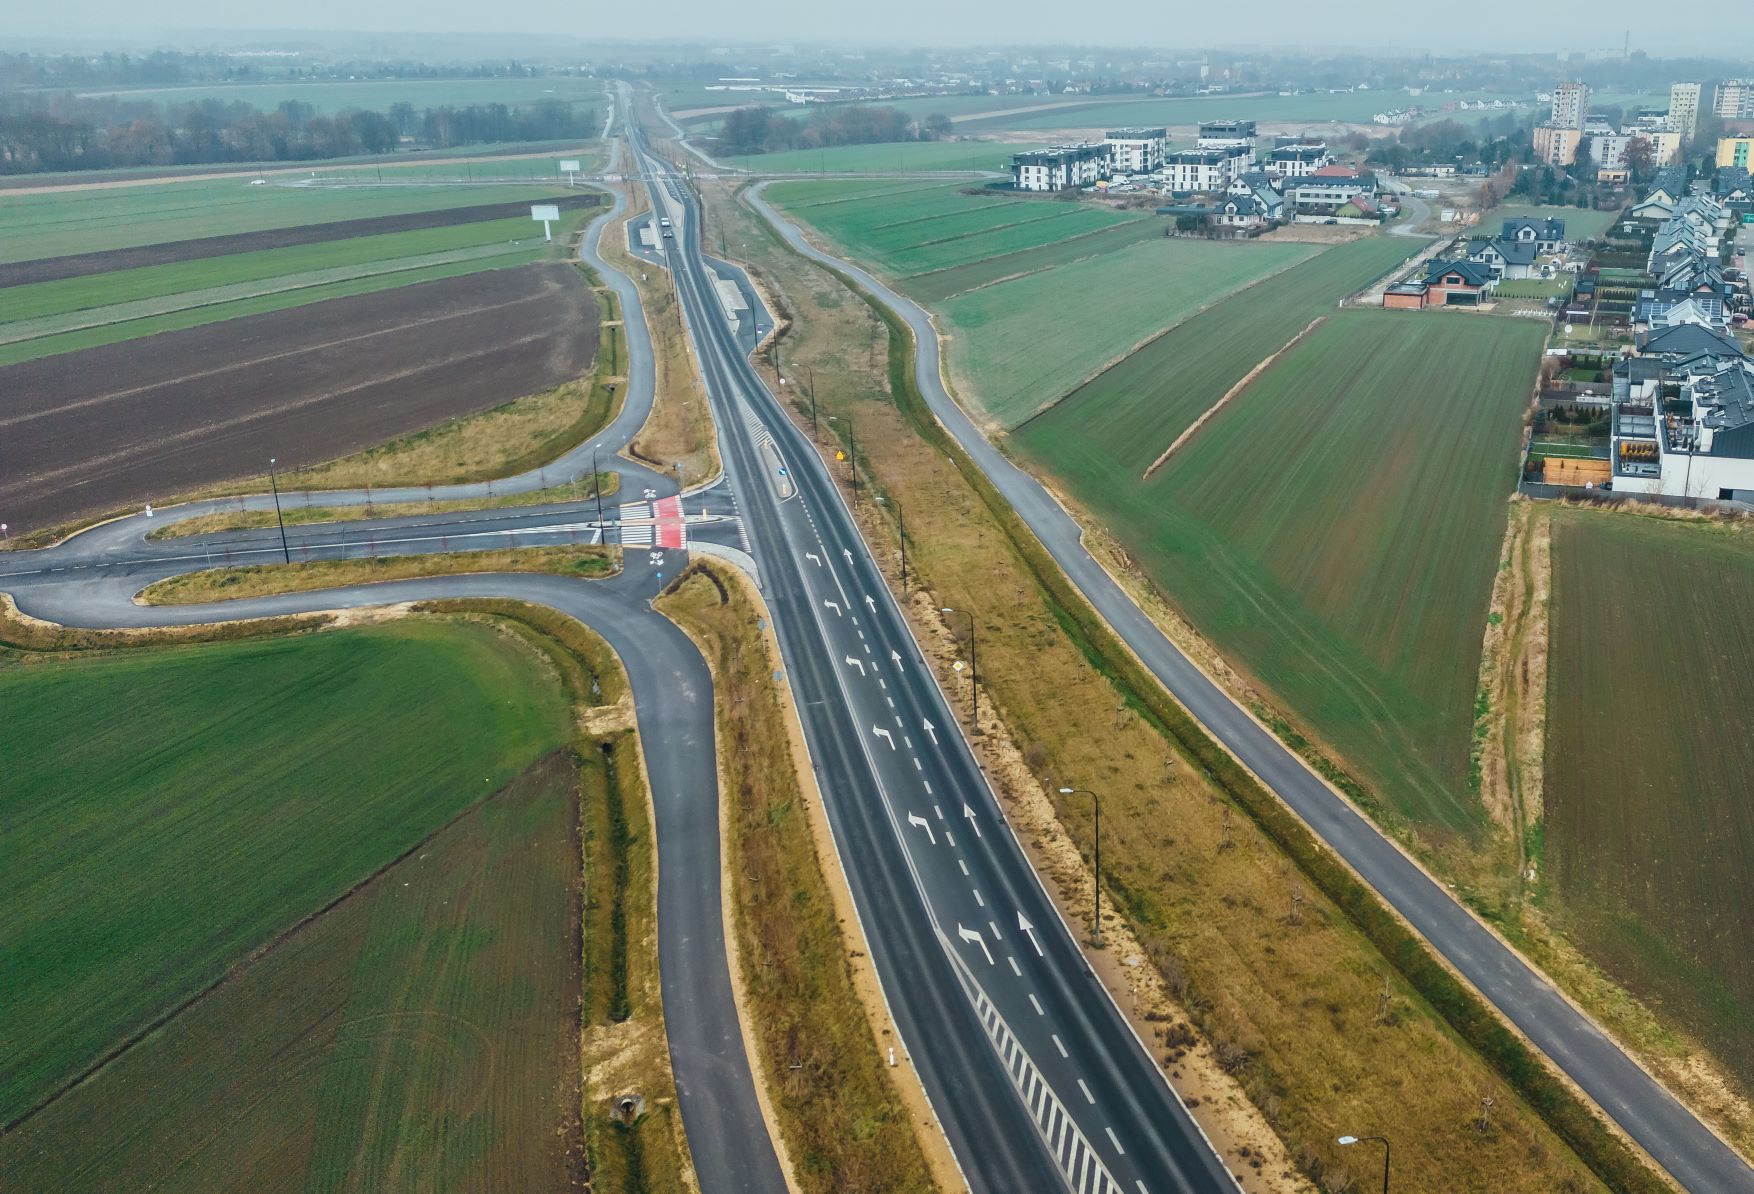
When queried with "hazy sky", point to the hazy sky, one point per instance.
{"points": [[1479, 24]]}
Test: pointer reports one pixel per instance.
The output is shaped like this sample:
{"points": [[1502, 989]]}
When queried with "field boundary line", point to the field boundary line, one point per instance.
{"points": [[250, 959], [1148, 341], [1243, 383]]}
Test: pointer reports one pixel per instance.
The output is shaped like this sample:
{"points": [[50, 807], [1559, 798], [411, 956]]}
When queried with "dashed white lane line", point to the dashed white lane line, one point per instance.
{"points": [[964, 867], [891, 701], [978, 899], [1058, 1044], [928, 784], [997, 936], [1115, 1140], [1015, 968], [949, 837], [935, 808], [1088, 1097], [917, 766], [1036, 1004]]}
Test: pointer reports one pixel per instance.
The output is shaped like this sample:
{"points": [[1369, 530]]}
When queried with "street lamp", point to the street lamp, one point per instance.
{"points": [[974, 691], [274, 480], [901, 533], [1382, 1140], [1096, 803]]}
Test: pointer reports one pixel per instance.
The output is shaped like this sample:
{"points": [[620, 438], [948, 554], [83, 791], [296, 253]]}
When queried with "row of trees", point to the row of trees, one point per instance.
{"points": [[102, 132], [763, 130]]}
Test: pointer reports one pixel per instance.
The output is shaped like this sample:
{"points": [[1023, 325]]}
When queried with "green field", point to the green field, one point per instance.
{"points": [[1649, 830], [333, 95], [1111, 111], [914, 231], [1335, 528], [63, 316], [899, 157], [1124, 418], [1581, 223], [1020, 344], [171, 811], [86, 221]]}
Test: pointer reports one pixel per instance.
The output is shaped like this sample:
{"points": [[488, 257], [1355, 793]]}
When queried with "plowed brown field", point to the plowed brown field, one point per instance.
{"points": [[125, 423]]}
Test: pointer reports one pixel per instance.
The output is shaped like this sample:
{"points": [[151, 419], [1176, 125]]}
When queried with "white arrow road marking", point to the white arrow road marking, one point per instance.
{"points": [[895, 657], [834, 605], [931, 732], [975, 936], [1023, 926], [969, 814], [848, 554], [855, 662], [885, 734], [810, 555], [871, 601], [916, 819]]}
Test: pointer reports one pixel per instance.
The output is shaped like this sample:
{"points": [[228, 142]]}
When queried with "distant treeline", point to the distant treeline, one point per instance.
{"points": [[70, 132], [165, 67], [763, 130]]}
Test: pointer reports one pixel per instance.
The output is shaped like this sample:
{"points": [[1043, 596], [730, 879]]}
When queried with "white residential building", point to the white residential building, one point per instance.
{"points": [[1608, 150], [1298, 159], [1059, 168], [1684, 108], [1198, 170], [1136, 151]]}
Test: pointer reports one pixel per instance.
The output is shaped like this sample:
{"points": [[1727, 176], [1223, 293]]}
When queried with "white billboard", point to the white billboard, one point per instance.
{"points": [[545, 211], [569, 167]]}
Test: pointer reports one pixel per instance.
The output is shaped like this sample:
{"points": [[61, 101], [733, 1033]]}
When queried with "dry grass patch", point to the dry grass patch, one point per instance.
{"points": [[262, 580], [842, 1119]]}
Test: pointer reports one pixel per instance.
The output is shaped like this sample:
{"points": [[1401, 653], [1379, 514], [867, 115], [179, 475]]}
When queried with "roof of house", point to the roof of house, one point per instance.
{"points": [[1686, 340], [1727, 397], [1472, 272], [1336, 170], [1551, 228], [1364, 203], [1514, 252], [1731, 180], [1670, 180]]}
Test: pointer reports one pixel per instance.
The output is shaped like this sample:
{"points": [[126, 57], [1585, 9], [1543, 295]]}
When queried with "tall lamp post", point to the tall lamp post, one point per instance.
{"points": [[1382, 1140], [901, 524], [274, 480], [1096, 803], [974, 690]]}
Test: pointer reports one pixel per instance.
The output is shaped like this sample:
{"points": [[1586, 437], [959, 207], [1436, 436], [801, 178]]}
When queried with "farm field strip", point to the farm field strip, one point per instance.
{"points": [[937, 285], [219, 795], [1018, 345], [1334, 529], [55, 225], [420, 1034], [88, 431], [89, 317], [328, 96], [1649, 832], [899, 157], [940, 228]]}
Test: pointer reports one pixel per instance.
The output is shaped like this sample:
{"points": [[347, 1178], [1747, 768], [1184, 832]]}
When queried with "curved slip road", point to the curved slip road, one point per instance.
{"points": [[1694, 1155], [90, 579]]}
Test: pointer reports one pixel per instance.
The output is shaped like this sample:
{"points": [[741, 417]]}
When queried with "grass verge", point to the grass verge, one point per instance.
{"points": [[263, 580], [582, 490], [678, 435], [842, 1119]]}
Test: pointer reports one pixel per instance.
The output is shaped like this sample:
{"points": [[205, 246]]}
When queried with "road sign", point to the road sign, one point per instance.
{"points": [[839, 455]]}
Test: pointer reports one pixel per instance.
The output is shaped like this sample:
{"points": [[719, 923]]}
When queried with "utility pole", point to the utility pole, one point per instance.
{"points": [[597, 484], [1096, 803], [274, 480]]}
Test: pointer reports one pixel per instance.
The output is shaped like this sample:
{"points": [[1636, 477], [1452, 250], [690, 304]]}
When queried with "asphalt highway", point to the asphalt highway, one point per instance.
{"points": [[1695, 1156], [1038, 1080]]}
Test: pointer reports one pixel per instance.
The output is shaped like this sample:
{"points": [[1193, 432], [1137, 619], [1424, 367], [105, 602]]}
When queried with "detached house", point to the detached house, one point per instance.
{"points": [[1504, 257], [1459, 283], [1546, 235]]}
